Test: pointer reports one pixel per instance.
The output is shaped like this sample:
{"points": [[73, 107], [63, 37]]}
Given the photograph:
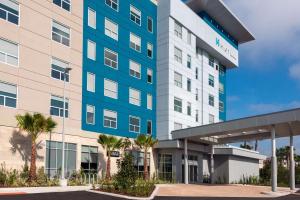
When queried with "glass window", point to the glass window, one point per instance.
{"points": [[58, 68], [135, 69], [178, 55], [178, 29], [178, 105], [189, 37], [9, 11], [110, 89], [221, 88], [149, 101], [91, 50], [197, 115], [149, 50], [89, 159], [9, 52], [211, 100], [114, 4], [135, 15], [91, 81], [189, 85], [149, 127], [165, 171], [8, 95], [149, 75], [60, 33], [177, 126], [138, 160], [90, 114], [178, 79], [111, 29], [211, 80], [189, 109], [222, 70], [221, 106], [197, 94], [57, 106], [211, 119], [211, 61], [110, 58], [197, 73], [54, 159], [134, 97], [135, 42], [134, 124], [65, 4], [91, 18], [150, 24], [189, 61], [110, 119]]}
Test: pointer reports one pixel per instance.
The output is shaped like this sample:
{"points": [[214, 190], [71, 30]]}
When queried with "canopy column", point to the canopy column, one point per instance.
{"points": [[274, 159], [212, 164], [292, 163], [186, 164]]}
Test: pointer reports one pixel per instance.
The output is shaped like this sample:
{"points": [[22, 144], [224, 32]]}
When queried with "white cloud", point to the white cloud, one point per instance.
{"points": [[294, 71], [262, 108], [233, 98]]}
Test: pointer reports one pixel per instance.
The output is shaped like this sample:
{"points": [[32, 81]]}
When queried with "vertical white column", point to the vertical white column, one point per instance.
{"points": [[186, 164], [212, 164], [274, 160], [292, 163]]}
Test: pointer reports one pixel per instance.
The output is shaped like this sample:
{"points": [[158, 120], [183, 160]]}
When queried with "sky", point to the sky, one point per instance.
{"points": [[268, 76]]}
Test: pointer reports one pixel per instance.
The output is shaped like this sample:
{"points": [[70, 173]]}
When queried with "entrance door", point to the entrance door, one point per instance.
{"points": [[192, 174]]}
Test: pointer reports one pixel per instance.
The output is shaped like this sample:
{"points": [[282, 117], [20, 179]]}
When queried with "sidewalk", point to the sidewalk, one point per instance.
{"points": [[34, 190]]}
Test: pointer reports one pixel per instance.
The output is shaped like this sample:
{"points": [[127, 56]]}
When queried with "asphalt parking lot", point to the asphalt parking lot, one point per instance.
{"points": [[93, 196]]}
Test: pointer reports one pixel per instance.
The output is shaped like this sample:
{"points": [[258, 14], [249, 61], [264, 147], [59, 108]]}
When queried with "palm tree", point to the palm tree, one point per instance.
{"points": [[34, 125], [109, 143], [145, 142], [126, 144]]}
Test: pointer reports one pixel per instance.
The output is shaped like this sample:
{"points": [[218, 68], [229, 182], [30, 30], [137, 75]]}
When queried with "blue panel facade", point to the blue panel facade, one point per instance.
{"points": [[222, 96], [121, 75]]}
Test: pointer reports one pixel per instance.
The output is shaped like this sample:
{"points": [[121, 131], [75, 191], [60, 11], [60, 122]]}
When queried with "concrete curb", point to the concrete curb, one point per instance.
{"points": [[35, 190], [155, 191]]}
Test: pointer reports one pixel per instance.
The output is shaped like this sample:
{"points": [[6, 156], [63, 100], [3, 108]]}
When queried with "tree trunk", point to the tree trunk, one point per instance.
{"points": [[108, 167], [32, 171], [146, 174]]}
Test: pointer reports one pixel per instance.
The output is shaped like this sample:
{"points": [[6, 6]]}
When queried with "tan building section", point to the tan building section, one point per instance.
{"points": [[35, 85]]}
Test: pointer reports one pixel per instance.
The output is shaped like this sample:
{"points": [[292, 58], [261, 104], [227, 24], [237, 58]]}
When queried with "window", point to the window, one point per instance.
{"points": [[197, 94], [91, 79], [222, 70], [57, 106], [165, 167], [177, 126], [221, 88], [60, 33], [114, 4], [89, 160], [91, 50], [134, 97], [135, 42], [54, 158], [111, 29], [178, 79], [221, 106], [189, 85], [197, 73], [138, 160], [149, 75], [135, 15], [177, 105], [189, 37], [178, 30], [58, 68], [8, 95], [189, 109], [149, 127], [110, 119], [211, 80], [211, 119], [9, 52], [90, 114], [91, 18], [211, 100], [211, 61], [110, 89], [149, 50], [110, 58], [189, 61], [150, 24], [9, 11], [178, 55], [197, 115], [149, 101], [65, 4], [135, 69], [134, 124]]}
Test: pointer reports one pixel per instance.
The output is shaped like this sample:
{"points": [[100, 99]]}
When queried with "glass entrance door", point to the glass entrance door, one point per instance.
{"points": [[193, 173]]}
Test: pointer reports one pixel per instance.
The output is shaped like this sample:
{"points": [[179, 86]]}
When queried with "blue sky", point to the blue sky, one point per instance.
{"points": [[268, 77]]}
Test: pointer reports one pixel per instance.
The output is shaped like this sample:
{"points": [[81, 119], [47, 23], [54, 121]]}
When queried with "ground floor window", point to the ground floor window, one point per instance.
{"points": [[54, 158], [89, 159], [165, 167], [138, 159]]}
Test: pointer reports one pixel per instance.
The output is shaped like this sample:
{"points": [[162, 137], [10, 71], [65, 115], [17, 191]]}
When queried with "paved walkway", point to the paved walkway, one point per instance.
{"points": [[34, 190], [181, 190]]}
